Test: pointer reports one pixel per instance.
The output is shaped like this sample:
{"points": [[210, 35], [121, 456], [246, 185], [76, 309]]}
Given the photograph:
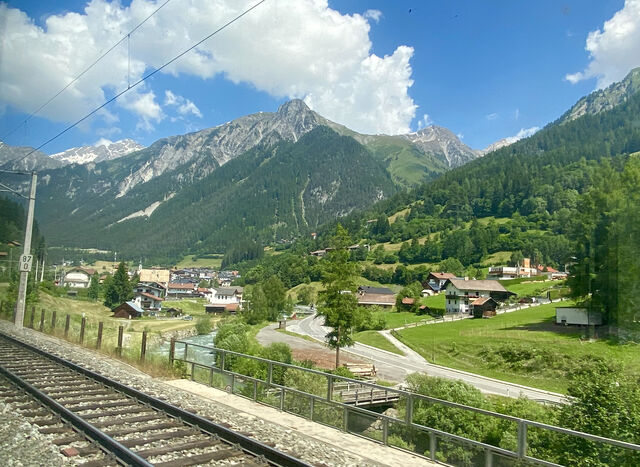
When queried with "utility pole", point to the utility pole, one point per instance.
{"points": [[26, 258]]}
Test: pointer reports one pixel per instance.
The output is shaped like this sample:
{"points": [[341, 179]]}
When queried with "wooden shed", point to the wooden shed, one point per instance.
{"points": [[484, 307], [127, 310]]}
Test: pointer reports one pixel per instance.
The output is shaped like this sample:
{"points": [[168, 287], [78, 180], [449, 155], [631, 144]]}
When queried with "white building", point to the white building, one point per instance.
{"points": [[461, 293], [78, 278], [224, 299]]}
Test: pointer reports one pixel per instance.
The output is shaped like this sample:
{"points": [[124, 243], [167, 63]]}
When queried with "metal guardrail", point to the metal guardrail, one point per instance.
{"points": [[237, 384]]}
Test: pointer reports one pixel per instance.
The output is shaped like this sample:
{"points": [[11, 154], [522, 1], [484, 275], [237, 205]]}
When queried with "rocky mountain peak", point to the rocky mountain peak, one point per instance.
{"points": [[605, 99], [439, 140], [293, 107]]}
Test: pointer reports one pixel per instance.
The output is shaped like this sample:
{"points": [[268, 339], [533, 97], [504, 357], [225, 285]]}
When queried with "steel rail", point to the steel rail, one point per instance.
{"points": [[247, 444], [123, 454]]}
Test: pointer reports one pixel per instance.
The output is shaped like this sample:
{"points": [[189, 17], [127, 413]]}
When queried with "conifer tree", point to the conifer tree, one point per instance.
{"points": [[119, 288], [338, 302]]}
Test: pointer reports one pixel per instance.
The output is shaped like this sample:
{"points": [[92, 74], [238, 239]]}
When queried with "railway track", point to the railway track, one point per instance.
{"points": [[98, 421]]}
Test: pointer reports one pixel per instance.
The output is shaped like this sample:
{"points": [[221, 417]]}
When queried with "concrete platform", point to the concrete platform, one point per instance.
{"points": [[373, 452]]}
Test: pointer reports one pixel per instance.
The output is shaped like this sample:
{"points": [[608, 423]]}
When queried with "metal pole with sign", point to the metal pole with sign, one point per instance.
{"points": [[26, 259]]}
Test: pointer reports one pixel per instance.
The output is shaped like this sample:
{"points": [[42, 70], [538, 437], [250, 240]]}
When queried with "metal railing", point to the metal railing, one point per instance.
{"points": [[328, 409]]}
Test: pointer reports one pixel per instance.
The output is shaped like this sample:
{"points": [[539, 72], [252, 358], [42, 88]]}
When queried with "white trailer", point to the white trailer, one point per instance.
{"points": [[581, 316]]}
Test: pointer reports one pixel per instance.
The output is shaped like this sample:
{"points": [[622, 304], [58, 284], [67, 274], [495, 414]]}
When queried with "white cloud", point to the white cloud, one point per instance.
{"points": [[491, 116], [375, 15], [523, 133], [615, 49], [289, 48], [145, 107], [102, 142], [189, 108], [170, 98], [460, 136], [424, 122], [516, 114], [185, 106]]}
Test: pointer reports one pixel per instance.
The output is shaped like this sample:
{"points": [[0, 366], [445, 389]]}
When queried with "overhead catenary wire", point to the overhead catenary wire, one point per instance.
{"points": [[144, 78], [126, 36]]}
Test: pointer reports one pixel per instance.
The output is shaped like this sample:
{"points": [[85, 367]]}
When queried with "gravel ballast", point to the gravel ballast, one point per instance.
{"points": [[308, 449]]}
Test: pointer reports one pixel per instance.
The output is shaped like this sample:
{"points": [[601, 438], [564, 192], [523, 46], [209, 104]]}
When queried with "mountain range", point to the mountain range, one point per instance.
{"points": [[127, 198], [265, 177]]}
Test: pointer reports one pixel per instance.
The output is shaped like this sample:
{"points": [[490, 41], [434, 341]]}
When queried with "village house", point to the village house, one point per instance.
{"points": [[319, 253], [551, 273], [435, 281], [461, 295], [225, 278], [127, 310], [181, 290], [380, 296], [159, 275], [513, 272], [78, 278], [224, 299], [149, 296]]}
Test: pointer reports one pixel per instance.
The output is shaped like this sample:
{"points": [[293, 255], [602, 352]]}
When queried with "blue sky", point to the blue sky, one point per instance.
{"points": [[486, 70]]}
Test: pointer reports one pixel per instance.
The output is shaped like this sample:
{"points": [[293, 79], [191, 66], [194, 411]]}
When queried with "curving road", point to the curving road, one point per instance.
{"points": [[396, 367]]}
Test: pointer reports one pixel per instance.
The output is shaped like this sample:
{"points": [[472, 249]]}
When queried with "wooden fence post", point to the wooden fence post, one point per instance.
{"points": [[120, 335], [53, 320], [33, 316], [143, 348], [67, 322], [99, 341], [172, 350], [42, 320], [82, 325]]}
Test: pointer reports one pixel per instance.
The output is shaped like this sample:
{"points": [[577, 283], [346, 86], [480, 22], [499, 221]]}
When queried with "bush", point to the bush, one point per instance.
{"points": [[203, 325]]}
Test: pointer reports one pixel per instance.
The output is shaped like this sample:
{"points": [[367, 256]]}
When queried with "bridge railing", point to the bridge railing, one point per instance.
{"points": [[319, 400]]}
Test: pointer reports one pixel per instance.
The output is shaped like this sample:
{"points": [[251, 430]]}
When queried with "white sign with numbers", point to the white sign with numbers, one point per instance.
{"points": [[25, 263]]}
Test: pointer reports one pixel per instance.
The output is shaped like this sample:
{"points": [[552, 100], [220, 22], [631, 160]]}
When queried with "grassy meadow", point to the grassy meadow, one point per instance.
{"points": [[523, 347], [375, 339], [95, 312], [208, 261]]}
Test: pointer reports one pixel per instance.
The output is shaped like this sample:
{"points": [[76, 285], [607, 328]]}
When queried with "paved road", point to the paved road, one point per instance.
{"points": [[396, 367]]}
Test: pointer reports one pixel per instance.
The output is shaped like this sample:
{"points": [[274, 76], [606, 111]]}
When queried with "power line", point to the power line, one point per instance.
{"points": [[144, 78], [126, 36]]}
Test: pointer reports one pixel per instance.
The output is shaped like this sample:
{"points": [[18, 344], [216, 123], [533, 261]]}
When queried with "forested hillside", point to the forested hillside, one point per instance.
{"points": [[266, 194], [563, 197], [13, 218], [535, 183]]}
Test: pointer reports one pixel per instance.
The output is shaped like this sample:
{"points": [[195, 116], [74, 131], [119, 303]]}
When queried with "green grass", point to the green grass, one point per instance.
{"points": [[377, 340], [213, 262], [461, 345], [434, 301], [498, 258], [531, 289], [396, 319], [190, 306], [395, 216]]}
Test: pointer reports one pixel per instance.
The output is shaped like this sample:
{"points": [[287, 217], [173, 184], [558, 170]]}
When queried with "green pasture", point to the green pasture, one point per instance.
{"points": [[524, 347]]}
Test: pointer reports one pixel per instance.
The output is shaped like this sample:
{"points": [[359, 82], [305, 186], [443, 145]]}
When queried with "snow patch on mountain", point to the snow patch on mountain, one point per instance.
{"points": [[103, 150]]}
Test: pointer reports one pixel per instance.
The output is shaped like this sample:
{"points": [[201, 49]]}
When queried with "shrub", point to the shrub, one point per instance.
{"points": [[203, 325]]}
